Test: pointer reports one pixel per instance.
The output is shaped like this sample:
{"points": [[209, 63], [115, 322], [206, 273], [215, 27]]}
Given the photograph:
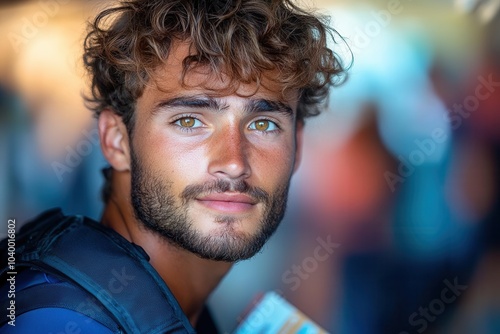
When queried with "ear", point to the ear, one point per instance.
{"points": [[299, 137], [114, 140]]}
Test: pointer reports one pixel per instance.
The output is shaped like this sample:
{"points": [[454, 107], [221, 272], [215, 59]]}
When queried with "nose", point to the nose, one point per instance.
{"points": [[229, 154]]}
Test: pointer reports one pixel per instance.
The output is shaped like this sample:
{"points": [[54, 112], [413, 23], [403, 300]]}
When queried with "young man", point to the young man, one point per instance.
{"points": [[201, 108]]}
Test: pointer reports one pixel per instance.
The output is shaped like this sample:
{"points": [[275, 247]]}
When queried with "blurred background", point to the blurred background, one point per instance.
{"points": [[393, 223]]}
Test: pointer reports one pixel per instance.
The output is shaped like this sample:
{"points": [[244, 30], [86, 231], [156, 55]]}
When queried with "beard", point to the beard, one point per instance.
{"points": [[157, 209]]}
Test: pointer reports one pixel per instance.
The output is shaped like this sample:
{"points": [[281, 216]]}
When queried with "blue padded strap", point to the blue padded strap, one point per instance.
{"points": [[60, 295], [104, 264]]}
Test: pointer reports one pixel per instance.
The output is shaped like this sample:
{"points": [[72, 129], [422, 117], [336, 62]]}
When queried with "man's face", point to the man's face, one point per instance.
{"points": [[211, 173]]}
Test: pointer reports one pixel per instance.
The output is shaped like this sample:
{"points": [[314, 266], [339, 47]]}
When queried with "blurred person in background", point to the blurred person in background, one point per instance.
{"points": [[50, 145], [410, 238], [474, 191]]}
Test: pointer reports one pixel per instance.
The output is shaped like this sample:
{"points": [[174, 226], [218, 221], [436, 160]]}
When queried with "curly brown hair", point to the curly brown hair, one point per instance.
{"points": [[244, 39]]}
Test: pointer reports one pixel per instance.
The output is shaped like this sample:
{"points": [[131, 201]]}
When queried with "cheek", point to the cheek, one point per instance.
{"points": [[178, 163], [273, 166]]}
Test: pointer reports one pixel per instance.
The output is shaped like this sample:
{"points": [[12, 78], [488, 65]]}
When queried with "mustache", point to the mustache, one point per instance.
{"points": [[194, 191]]}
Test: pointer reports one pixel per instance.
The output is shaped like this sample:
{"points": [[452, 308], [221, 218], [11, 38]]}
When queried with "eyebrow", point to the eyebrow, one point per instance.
{"points": [[210, 103], [198, 102], [263, 105]]}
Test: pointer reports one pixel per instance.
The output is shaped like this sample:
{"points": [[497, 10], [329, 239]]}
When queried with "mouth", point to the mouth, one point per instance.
{"points": [[228, 202]]}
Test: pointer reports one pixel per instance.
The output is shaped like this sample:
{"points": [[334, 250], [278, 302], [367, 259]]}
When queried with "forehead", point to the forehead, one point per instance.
{"points": [[169, 78]]}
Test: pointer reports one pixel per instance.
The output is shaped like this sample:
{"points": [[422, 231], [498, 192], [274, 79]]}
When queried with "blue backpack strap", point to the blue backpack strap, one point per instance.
{"points": [[61, 295], [104, 264]]}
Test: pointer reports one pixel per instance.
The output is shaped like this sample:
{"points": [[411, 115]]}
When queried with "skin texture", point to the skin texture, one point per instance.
{"points": [[235, 148]]}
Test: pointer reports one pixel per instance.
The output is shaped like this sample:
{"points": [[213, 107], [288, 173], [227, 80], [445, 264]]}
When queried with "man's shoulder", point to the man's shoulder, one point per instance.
{"points": [[100, 270], [49, 311], [55, 321]]}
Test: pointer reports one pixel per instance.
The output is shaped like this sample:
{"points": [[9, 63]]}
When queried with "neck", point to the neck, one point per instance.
{"points": [[190, 278]]}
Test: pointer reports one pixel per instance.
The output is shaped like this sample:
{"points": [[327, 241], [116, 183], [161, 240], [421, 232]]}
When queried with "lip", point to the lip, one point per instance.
{"points": [[228, 202]]}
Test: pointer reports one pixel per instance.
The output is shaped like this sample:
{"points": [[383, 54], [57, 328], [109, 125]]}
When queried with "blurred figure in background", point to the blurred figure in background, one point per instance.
{"points": [[50, 144], [409, 225], [474, 186]]}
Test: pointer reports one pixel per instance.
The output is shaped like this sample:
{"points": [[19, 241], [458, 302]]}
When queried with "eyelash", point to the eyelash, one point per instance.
{"points": [[187, 129], [277, 130], [183, 128]]}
